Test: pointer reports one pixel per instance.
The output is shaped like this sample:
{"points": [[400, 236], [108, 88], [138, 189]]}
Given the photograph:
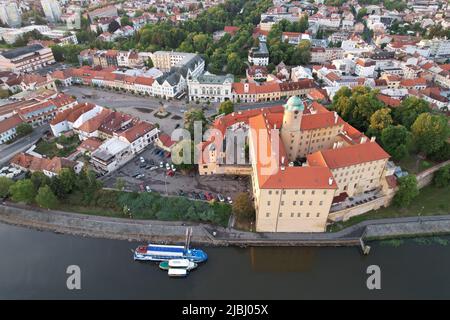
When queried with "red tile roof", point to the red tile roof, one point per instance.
{"points": [[348, 156], [137, 131], [10, 123]]}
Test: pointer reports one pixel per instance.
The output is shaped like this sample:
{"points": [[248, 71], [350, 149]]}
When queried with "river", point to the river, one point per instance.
{"points": [[33, 266]]}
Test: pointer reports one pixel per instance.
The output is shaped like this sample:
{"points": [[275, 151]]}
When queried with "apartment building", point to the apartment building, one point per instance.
{"points": [[26, 59], [210, 87]]}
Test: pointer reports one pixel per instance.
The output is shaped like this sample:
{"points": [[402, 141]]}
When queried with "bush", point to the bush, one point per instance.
{"points": [[442, 177]]}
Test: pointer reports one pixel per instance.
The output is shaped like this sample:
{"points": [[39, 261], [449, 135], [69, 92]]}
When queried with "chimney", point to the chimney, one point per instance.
{"points": [[334, 145], [246, 86], [363, 139], [335, 117], [373, 139], [330, 181], [275, 126], [282, 159]]}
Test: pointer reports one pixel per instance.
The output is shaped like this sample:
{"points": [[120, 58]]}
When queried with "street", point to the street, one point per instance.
{"points": [[8, 151]]}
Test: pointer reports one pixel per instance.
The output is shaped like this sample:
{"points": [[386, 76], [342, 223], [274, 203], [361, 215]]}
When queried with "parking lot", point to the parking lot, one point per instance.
{"points": [[141, 176]]}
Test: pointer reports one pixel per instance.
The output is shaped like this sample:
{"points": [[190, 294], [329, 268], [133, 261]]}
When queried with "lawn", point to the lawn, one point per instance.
{"points": [[413, 164], [430, 201], [49, 149]]}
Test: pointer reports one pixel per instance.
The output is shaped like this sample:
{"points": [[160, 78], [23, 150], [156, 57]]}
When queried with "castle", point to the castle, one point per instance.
{"points": [[305, 161]]}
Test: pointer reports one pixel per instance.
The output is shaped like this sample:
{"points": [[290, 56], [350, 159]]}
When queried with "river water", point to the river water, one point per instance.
{"points": [[33, 266]]}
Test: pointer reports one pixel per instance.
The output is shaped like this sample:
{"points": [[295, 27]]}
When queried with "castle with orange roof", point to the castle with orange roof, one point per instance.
{"points": [[305, 161]]}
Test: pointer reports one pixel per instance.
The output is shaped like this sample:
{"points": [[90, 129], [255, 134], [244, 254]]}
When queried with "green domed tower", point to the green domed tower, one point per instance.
{"points": [[290, 130], [293, 110]]}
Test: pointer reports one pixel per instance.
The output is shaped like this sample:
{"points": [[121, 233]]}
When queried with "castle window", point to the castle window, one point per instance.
{"points": [[267, 214], [292, 214], [318, 214], [299, 215]]}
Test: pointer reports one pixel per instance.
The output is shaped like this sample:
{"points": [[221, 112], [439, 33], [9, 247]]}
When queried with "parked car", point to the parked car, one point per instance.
{"points": [[209, 196], [139, 176], [229, 200], [201, 196], [161, 164], [154, 168], [220, 197], [167, 166], [170, 173], [136, 174], [142, 159], [181, 193], [147, 188]]}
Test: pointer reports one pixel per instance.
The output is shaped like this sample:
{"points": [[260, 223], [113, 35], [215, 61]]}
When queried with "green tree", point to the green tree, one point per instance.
{"points": [[23, 129], [39, 179], [5, 184], [45, 198], [396, 141], [226, 107], [194, 116], [380, 120], [409, 110], [407, 191], [243, 206], [23, 191], [442, 177], [68, 179], [430, 132], [303, 23]]}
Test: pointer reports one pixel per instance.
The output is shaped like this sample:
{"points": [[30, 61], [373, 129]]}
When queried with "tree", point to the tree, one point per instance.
{"points": [[113, 26], [243, 206], [125, 21], [430, 132], [39, 179], [303, 23], [120, 184], [409, 110], [193, 116], [380, 120], [46, 198], [68, 179], [23, 129], [407, 191], [396, 141], [23, 191], [5, 184], [442, 177], [226, 107]]}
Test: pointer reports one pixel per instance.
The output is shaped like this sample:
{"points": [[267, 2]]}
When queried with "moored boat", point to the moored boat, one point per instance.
{"points": [[156, 252], [178, 263], [177, 272]]}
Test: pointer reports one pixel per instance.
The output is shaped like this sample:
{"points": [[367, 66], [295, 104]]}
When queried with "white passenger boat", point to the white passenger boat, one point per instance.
{"points": [[178, 263], [177, 272]]}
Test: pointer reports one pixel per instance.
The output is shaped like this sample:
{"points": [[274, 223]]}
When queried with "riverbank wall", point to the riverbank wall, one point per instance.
{"points": [[202, 234]]}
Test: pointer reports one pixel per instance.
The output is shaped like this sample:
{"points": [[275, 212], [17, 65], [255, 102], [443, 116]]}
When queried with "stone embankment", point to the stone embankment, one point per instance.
{"points": [[172, 232]]}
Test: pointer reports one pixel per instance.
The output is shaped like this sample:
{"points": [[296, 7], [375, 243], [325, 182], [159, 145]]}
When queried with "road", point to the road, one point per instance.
{"points": [[8, 151]]}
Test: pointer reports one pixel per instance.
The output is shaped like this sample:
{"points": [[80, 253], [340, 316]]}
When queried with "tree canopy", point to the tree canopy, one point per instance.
{"points": [[430, 132]]}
